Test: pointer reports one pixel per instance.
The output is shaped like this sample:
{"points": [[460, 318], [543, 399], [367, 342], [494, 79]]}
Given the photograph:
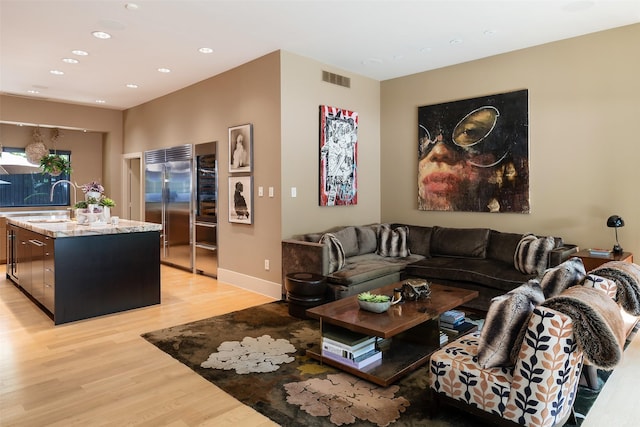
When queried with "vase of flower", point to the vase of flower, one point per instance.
{"points": [[93, 190], [92, 194]]}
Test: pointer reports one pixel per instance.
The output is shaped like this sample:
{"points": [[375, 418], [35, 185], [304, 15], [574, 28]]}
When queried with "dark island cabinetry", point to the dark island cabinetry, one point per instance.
{"points": [[86, 275]]}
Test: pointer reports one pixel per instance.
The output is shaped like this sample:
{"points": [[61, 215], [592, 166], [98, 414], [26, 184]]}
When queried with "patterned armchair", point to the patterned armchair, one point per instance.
{"points": [[538, 391]]}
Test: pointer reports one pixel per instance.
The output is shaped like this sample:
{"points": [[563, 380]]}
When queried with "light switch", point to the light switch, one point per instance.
{"points": [[294, 192], [260, 191], [270, 191]]}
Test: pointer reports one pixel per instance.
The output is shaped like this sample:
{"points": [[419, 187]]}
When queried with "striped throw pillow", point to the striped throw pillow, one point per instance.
{"points": [[393, 242], [532, 254]]}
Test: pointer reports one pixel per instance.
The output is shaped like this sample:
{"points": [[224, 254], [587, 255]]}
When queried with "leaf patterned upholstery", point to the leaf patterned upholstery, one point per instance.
{"points": [[538, 391]]}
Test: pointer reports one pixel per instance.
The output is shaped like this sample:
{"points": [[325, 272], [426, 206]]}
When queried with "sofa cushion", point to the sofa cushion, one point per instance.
{"points": [[508, 314], [486, 272], [502, 246], [348, 239], [419, 240], [532, 253], [555, 280], [336, 252], [366, 267], [367, 239], [392, 242], [459, 242]]}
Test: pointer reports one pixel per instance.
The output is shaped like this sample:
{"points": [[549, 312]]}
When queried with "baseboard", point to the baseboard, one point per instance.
{"points": [[250, 283]]}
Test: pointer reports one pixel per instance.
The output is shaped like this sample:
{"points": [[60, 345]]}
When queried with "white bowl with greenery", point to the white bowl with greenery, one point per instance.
{"points": [[374, 302]]}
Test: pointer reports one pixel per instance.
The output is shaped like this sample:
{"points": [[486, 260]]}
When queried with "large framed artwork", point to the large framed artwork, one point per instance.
{"points": [[473, 154], [338, 156], [241, 204], [241, 148]]}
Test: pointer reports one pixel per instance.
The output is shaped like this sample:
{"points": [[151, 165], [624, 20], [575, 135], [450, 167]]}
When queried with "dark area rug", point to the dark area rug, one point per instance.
{"points": [[258, 356]]}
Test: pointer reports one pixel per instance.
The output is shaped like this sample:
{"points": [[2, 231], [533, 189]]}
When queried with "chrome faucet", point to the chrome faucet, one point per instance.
{"points": [[68, 182]]}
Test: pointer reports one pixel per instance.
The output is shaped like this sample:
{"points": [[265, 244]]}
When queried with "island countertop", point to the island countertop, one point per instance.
{"points": [[64, 227]]}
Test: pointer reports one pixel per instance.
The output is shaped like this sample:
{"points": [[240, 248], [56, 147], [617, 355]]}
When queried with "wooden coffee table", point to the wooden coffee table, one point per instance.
{"points": [[410, 327]]}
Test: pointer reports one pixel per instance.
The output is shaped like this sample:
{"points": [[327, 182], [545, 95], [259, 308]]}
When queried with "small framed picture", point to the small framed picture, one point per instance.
{"points": [[241, 148], [241, 199]]}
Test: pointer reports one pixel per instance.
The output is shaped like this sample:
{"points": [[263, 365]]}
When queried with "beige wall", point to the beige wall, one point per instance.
{"points": [[303, 92], [583, 109], [95, 154], [204, 112]]}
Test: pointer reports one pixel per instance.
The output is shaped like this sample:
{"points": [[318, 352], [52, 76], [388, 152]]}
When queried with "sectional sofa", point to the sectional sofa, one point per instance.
{"points": [[355, 259]]}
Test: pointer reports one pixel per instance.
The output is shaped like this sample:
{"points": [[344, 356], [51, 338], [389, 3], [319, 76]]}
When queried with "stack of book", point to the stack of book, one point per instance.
{"points": [[451, 318], [599, 252], [444, 338], [453, 323], [350, 348]]}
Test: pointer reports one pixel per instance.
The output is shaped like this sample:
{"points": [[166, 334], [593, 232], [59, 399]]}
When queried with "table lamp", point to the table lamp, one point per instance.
{"points": [[615, 221]]}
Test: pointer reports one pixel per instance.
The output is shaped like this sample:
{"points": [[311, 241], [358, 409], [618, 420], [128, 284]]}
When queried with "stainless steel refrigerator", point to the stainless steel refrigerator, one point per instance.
{"points": [[169, 201], [206, 211]]}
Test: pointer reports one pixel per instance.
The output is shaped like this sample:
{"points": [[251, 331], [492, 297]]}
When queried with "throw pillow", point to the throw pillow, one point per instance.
{"points": [[555, 280], [393, 242], [336, 252], [367, 239], [532, 254], [603, 284], [348, 239], [507, 318]]}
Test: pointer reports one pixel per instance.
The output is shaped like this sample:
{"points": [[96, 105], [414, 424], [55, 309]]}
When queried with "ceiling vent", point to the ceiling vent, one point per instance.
{"points": [[336, 79]]}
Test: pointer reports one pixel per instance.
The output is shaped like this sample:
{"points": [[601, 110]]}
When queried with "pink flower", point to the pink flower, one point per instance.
{"points": [[92, 186]]}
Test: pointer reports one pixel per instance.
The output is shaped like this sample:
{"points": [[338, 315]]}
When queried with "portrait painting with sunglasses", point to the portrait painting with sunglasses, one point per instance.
{"points": [[473, 155]]}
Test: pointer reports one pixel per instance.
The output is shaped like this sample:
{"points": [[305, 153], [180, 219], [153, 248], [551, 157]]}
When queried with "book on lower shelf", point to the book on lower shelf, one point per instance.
{"points": [[345, 337], [452, 317], [348, 352], [463, 328], [359, 362], [444, 338]]}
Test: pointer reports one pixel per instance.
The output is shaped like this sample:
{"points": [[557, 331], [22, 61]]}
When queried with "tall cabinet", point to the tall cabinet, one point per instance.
{"points": [[206, 216]]}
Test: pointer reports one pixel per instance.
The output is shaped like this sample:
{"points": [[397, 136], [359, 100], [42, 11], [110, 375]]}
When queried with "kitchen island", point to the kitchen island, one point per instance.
{"points": [[76, 272]]}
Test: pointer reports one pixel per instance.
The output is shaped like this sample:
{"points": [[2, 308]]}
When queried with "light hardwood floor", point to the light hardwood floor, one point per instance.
{"points": [[100, 372]]}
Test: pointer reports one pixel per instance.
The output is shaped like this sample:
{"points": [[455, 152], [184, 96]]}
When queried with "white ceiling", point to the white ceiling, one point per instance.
{"points": [[378, 39]]}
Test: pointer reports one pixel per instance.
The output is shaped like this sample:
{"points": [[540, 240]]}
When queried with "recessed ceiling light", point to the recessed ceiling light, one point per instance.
{"points": [[57, 72], [489, 32], [80, 52], [132, 6], [33, 91], [164, 70], [100, 101], [70, 60], [132, 86], [455, 41], [101, 35], [205, 50]]}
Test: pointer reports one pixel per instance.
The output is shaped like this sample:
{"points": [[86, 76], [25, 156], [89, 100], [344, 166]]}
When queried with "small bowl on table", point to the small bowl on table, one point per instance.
{"points": [[375, 307]]}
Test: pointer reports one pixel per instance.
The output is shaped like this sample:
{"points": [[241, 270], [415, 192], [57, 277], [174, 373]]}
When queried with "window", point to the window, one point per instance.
{"points": [[33, 189]]}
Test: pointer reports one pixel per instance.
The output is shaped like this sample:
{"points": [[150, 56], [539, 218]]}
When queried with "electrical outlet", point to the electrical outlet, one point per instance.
{"points": [[266, 264], [260, 191], [270, 191]]}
